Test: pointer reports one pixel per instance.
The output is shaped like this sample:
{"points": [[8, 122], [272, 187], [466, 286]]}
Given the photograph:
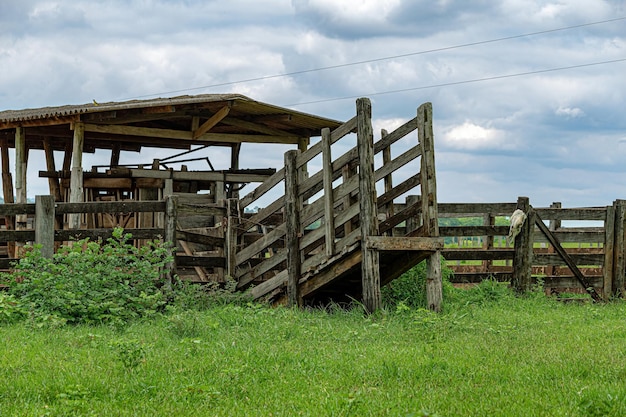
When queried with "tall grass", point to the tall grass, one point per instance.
{"points": [[489, 354]]}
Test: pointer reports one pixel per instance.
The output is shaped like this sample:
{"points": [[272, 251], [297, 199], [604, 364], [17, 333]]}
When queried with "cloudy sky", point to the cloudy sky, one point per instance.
{"points": [[529, 96]]}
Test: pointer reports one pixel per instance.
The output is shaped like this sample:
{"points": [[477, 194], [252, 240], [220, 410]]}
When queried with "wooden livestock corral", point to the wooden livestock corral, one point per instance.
{"points": [[585, 255], [327, 235]]}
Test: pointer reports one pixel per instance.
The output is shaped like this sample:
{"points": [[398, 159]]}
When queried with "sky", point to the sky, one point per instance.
{"points": [[529, 96]]}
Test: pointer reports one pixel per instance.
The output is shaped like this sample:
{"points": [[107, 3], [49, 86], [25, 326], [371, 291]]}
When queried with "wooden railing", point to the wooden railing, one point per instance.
{"points": [[43, 231], [479, 252]]}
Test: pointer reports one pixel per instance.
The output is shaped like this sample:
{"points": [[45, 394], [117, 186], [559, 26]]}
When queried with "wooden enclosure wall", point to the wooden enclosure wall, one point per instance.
{"points": [[480, 252]]}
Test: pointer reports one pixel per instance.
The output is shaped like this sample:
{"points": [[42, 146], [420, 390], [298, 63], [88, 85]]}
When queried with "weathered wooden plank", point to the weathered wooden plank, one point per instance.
{"points": [[329, 201], [523, 249], [211, 122], [262, 189], [593, 235], [21, 162], [76, 182], [14, 209], [586, 213], [293, 228], [335, 135], [17, 236], [232, 223], [262, 268], [609, 254], [199, 238], [201, 209], [200, 261], [110, 207], [370, 268], [577, 258], [400, 216], [44, 224], [477, 254], [111, 183], [388, 243], [476, 209], [96, 234], [488, 230], [396, 135], [267, 286]]}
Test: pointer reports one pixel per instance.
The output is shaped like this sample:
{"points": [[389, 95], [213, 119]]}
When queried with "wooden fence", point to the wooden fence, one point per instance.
{"points": [[44, 213], [566, 258]]}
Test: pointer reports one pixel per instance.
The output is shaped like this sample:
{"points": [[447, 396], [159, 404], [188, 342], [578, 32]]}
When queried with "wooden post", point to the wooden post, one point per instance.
{"points": [[232, 222], [430, 213], [608, 272], [413, 222], [44, 224], [292, 237], [234, 165], [619, 250], [347, 173], [388, 180], [7, 191], [553, 226], [370, 267], [76, 179], [488, 220], [115, 155], [522, 257], [329, 200], [171, 208], [21, 163]]}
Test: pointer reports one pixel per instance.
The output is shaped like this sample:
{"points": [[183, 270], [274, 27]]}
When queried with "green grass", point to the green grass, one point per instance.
{"points": [[488, 354]]}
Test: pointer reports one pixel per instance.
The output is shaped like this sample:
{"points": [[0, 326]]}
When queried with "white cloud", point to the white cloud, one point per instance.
{"points": [[472, 137], [569, 112]]}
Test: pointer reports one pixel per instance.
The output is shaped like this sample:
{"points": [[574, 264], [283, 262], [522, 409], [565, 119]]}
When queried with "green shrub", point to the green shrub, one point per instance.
{"points": [[92, 282], [11, 309], [410, 287]]}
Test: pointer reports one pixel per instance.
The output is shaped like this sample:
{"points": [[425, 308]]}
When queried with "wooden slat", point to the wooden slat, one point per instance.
{"points": [[200, 261], [386, 243], [473, 230], [476, 209], [477, 254]]}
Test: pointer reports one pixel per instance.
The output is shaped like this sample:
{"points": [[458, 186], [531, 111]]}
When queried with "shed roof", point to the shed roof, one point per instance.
{"points": [[177, 122]]}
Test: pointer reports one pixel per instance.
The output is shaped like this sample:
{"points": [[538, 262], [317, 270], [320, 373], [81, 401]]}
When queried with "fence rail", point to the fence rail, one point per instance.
{"points": [[479, 252]]}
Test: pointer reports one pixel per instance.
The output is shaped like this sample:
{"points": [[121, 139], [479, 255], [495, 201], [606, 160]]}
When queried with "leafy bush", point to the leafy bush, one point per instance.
{"points": [[11, 310], [410, 287], [92, 282]]}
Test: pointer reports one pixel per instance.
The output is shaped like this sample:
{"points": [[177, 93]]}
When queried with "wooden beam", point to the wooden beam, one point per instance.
{"points": [[293, 231], [210, 124], [370, 267], [44, 224], [185, 135], [329, 212], [255, 127], [7, 190], [387, 243], [21, 163], [76, 181]]}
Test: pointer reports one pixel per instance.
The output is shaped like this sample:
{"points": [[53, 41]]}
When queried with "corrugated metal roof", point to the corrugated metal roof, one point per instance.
{"points": [[17, 116], [8, 116]]}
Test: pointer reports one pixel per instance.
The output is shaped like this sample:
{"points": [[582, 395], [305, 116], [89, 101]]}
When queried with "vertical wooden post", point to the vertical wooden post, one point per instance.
{"points": [[430, 213], [7, 191], [388, 180], [292, 237], [522, 256], [44, 224], [329, 200], [171, 209], [553, 226], [21, 163], [619, 260], [234, 165], [115, 155], [370, 267], [608, 271], [76, 180], [347, 173], [488, 220], [232, 208]]}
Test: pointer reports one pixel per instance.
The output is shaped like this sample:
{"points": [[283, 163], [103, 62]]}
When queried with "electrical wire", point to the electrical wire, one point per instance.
{"points": [[368, 61], [476, 80]]}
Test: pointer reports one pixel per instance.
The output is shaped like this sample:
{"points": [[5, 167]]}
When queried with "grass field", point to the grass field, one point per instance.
{"points": [[488, 354]]}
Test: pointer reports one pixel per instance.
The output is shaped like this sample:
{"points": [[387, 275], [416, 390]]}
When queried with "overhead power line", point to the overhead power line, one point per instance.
{"points": [[368, 61], [476, 80]]}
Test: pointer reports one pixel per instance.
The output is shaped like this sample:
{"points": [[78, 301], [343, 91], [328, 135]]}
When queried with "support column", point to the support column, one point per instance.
{"points": [[522, 257], [370, 265], [76, 181], [293, 233], [21, 163], [44, 224], [7, 191], [430, 213], [329, 200], [619, 260]]}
